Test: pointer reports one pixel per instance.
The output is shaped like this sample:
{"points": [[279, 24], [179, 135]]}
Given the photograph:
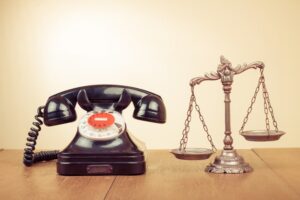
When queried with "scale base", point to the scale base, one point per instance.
{"points": [[229, 162]]}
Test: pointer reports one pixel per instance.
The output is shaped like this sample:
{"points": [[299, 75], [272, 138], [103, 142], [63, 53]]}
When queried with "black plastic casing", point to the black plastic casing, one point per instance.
{"points": [[119, 156], [88, 157]]}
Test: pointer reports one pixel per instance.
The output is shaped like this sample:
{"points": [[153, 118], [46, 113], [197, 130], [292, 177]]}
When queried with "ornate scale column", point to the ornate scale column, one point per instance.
{"points": [[229, 161]]}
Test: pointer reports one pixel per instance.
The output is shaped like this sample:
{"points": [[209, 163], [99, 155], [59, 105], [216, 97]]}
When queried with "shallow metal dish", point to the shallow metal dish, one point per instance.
{"points": [[262, 135], [192, 153]]}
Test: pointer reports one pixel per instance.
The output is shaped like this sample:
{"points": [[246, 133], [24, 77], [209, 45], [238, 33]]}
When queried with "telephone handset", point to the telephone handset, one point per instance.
{"points": [[102, 144]]}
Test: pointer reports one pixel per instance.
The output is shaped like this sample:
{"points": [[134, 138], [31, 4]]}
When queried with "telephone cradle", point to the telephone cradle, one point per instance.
{"points": [[102, 144]]}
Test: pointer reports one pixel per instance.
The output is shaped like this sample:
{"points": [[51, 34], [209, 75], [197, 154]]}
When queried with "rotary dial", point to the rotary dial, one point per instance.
{"points": [[103, 126]]}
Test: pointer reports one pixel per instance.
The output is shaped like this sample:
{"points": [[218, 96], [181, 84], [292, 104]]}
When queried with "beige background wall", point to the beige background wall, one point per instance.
{"points": [[48, 46]]}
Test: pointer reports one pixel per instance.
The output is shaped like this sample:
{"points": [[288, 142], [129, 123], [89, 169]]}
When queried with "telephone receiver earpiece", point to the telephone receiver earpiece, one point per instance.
{"points": [[59, 110], [150, 108]]}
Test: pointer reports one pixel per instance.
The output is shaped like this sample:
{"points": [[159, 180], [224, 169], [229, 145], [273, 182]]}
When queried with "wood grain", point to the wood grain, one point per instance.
{"points": [[41, 181], [166, 178], [170, 178], [285, 163]]}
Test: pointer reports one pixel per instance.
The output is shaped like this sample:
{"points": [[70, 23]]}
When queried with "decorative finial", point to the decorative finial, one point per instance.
{"points": [[224, 61], [224, 64]]}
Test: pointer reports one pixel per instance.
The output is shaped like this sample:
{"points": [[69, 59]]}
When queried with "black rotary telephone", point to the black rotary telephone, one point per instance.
{"points": [[102, 144]]}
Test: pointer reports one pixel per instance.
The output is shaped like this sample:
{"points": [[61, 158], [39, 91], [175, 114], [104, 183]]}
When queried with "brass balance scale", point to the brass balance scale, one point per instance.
{"points": [[228, 161]]}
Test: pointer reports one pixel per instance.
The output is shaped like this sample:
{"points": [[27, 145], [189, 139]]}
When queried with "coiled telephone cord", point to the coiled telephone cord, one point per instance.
{"points": [[29, 156]]}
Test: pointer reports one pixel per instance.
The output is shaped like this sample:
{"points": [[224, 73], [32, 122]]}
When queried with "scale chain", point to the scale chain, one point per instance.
{"points": [[267, 101], [267, 105], [251, 106], [185, 131], [183, 141], [205, 126]]}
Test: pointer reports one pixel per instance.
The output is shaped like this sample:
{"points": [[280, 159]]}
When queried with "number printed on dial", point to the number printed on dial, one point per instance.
{"points": [[101, 126]]}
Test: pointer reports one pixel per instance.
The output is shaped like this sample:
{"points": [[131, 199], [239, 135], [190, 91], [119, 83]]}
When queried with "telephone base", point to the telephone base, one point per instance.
{"points": [[72, 165]]}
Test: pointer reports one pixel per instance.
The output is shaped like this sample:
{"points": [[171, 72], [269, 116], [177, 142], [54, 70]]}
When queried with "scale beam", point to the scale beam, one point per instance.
{"points": [[226, 65]]}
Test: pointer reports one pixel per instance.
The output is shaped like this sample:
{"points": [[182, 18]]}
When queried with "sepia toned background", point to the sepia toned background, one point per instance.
{"points": [[48, 46]]}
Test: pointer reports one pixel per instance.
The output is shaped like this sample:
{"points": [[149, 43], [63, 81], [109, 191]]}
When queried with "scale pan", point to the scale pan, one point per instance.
{"points": [[192, 153], [262, 135]]}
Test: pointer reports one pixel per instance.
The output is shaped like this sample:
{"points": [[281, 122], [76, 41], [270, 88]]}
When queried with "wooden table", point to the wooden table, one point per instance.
{"points": [[276, 176]]}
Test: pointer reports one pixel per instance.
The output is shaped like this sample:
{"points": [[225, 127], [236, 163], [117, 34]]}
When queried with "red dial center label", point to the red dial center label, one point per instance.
{"points": [[101, 120]]}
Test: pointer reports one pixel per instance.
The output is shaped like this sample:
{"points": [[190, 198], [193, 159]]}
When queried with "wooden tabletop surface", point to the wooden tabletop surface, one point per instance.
{"points": [[276, 175]]}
